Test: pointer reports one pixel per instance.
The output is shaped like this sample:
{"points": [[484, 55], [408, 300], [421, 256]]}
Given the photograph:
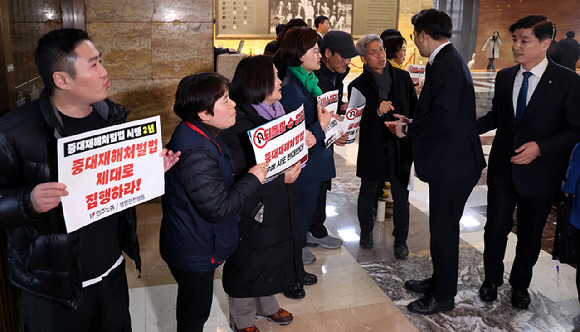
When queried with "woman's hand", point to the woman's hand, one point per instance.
{"points": [[292, 174], [310, 139], [260, 171], [170, 158], [323, 116]]}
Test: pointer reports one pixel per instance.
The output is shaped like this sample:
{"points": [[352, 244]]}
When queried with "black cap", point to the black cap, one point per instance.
{"points": [[341, 42]]}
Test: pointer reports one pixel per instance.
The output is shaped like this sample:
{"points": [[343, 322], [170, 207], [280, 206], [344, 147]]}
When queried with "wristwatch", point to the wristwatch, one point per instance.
{"points": [[404, 129]]}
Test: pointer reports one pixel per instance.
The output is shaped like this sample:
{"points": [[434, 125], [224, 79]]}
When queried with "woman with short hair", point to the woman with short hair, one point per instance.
{"points": [[202, 202], [268, 259], [300, 87]]}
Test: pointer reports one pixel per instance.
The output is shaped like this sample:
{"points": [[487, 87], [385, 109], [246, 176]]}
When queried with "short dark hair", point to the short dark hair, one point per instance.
{"points": [[279, 28], [296, 43], [437, 24], [319, 20], [56, 52], [392, 45], [541, 26], [197, 93], [570, 34], [295, 22], [390, 32], [253, 80]]}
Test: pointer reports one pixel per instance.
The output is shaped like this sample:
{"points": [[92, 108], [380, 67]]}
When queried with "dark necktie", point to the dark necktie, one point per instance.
{"points": [[522, 96]]}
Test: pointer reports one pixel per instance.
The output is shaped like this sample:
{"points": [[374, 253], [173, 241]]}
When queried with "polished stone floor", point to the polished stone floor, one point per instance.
{"points": [[362, 290]]}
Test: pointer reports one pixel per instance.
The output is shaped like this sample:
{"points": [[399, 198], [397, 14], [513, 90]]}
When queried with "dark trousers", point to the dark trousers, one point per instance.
{"points": [[317, 227], [532, 213], [307, 197], [446, 203], [104, 308], [194, 297], [368, 193]]}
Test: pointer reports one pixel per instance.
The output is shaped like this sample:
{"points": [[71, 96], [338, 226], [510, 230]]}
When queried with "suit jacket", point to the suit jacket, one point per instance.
{"points": [[551, 119], [376, 143], [446, 145], [320, 164]]}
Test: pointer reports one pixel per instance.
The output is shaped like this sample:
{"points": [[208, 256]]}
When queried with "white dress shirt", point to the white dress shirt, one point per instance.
{"points": [[436, 51], [533, 81]]}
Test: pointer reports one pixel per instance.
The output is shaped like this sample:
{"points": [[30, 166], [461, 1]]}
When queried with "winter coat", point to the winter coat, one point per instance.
{"points": [[377, 145], [201, 205], [492, 48], [268, 259], [320, 164], [42, 256]]}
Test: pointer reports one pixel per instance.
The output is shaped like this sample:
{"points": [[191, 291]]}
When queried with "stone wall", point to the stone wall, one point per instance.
{"points": [[148, 46], [500, 14]]}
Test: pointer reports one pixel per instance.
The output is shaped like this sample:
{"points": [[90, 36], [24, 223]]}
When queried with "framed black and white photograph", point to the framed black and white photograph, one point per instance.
{"points": [[339, 12]]}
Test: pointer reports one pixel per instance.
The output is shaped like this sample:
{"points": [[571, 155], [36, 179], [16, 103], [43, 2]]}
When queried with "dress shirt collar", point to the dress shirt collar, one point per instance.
{"points": [[538, 70], [436, 51]]}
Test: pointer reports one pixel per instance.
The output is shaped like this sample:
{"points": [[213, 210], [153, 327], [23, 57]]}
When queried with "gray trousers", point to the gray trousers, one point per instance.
{"points": [[243, 310]]}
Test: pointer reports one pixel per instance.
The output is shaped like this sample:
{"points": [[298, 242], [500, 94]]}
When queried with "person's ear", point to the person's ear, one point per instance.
{"points": [[62, 80], [327, 53], [204, 115], [362, 58]]}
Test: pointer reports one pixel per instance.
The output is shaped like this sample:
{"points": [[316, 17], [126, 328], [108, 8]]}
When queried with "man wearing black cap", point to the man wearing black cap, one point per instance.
{"points": [[337, 51]]}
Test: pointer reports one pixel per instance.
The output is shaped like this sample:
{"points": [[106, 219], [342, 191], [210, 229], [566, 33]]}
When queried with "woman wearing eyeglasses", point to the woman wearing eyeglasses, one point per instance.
{"points": [[300, 51], [381, 155]]}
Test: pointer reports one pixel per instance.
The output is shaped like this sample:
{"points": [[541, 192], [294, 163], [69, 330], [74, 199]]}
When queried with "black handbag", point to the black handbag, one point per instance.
{"points": [[567, 237]]}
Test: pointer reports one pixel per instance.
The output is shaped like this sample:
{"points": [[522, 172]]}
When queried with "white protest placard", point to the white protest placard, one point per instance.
{"points": [[354, 111], [417, 73], [109, 170], [280, 142], [333, 131]]}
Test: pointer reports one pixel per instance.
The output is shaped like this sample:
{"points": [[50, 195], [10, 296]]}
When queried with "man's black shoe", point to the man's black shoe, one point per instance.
{"points": [[309, 279], [295, 293], [418, 286], [520, 298], [427, 305], [366, 241], [401, 250], [488, 291]]}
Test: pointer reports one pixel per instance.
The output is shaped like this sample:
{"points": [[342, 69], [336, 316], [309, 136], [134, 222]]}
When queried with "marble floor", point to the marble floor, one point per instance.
{"points": [[362, 290]]}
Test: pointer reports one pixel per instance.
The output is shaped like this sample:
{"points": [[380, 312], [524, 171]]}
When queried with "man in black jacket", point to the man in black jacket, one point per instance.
{"points": [[569, 51], [336, 54], [381, 155], [447, 154], [67, 281]]}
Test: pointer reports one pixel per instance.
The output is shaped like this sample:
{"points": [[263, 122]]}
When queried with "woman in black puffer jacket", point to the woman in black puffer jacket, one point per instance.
{"points": [[202, 202], [268, 259]]}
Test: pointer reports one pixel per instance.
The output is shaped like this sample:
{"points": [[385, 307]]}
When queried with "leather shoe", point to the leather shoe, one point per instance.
{"points": [[295, 293], [488, 291], [427, 305], [418, 286], [309, 279], [366, 241], [520, 298], [401, 251]]}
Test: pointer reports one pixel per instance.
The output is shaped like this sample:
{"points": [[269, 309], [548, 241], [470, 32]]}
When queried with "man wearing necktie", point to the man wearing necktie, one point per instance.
{"points": [[535, 111], [447, 154]]}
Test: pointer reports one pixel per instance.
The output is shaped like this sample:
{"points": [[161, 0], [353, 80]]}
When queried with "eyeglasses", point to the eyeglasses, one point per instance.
{"points": [[377, 51], [315, 50]]}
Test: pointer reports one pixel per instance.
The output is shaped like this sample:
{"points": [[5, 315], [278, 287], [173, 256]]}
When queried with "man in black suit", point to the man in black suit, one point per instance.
{"points": [[535, 111], [447, 154]]}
